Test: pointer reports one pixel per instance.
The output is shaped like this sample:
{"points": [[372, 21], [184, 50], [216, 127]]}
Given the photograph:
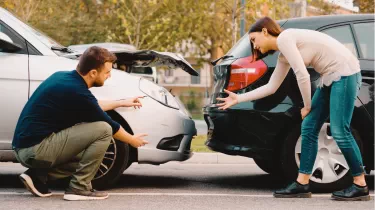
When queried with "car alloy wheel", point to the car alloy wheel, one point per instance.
{"points": [[108, 160], [330, 164]]}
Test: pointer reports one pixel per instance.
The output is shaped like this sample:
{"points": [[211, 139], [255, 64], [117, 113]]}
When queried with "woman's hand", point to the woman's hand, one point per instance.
{"points": [[229, 101], [305, 111]]}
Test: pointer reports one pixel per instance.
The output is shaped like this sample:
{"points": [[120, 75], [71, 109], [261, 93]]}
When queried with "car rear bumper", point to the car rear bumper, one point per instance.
{"points": [[244, 132]]}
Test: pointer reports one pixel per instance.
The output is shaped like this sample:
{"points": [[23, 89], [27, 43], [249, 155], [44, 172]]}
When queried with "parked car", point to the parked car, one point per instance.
{"points": [[146, 72], [269, 129], [28, 57]]}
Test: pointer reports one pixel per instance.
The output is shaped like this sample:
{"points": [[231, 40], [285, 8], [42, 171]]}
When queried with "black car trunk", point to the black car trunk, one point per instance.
{"points": [[221, 77], [222, 71]]}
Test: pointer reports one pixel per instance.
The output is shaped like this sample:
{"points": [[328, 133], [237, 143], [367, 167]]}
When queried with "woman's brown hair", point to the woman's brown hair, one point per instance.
{"points": [[272, 28]]}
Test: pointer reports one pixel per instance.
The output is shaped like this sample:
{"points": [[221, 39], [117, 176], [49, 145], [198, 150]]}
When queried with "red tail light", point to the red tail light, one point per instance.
{"points": [[244, 72]]}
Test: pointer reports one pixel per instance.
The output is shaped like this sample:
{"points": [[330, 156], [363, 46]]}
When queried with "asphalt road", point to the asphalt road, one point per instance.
{"points": [[177, 186]]}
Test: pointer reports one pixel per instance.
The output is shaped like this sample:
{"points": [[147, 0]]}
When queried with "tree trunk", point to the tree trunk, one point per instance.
{"points": [[234, 22]]}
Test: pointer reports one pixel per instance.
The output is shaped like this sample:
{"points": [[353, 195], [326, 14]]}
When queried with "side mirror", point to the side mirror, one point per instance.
{"points": [[7, 45]]}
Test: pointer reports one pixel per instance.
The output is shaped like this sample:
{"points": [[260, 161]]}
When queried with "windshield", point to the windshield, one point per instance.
{"points": [[46, 40]]}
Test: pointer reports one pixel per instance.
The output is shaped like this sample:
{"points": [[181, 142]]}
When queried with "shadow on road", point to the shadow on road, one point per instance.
{"points": [[225, 182], [265, 181], [213, 181], [10, 181]]}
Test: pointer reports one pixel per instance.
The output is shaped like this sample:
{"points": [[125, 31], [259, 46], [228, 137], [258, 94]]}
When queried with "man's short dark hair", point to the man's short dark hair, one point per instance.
{"points": [[94, 58]]}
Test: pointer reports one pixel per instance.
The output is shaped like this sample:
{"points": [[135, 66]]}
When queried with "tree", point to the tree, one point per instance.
{"points": [[72, 22], [365, 6], [202, 28], [147, 24], [67, 21], [24, 8], [213, 29], [324, 7]]}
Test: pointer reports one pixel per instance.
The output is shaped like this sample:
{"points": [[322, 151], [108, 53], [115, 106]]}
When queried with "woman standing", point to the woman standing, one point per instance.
{"points": [[339, 84]]}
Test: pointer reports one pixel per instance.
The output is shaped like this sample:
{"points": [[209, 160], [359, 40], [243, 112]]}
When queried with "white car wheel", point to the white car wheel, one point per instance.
{"points": [[108, 160]]}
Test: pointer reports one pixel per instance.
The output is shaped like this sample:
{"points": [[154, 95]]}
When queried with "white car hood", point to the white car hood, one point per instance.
{"points": [[150, 58]]}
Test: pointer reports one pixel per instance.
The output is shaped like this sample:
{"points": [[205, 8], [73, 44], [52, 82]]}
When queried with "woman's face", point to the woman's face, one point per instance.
{"points": [[260, 41]]}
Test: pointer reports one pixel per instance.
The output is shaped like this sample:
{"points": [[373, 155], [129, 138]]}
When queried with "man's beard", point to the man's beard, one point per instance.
{"points": [[98, 84]]}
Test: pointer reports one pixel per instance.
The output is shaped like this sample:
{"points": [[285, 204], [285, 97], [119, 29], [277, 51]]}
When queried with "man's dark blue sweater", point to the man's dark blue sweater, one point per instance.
{"points": [[60, 102]]}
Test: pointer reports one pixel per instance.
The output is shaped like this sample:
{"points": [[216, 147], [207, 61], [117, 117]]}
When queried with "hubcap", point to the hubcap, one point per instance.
{"points": [[330, 164], [108, 160]]}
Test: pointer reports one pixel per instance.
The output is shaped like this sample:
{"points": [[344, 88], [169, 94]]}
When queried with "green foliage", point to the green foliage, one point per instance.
{"points": [[147, 24], [67, 21], [323, 6], [198, 144], [191, 104], [365, 6], [200, 27]]}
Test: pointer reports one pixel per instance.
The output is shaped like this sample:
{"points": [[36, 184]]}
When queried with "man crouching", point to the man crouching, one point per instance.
{"points": [[63, 131]]}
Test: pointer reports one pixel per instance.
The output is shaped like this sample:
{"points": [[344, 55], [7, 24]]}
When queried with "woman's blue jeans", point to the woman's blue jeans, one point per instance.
{"points": [[337, 102]]}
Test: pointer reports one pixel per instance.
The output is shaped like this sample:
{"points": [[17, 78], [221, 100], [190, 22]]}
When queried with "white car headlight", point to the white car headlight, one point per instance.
{"points": [[158, 93]]}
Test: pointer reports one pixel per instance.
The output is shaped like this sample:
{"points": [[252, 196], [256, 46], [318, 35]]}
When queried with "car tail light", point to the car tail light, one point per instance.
{"points": [[244, 72]]}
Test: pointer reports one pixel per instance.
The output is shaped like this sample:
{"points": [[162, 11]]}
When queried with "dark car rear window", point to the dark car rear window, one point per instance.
{"points": [[242, 47]]}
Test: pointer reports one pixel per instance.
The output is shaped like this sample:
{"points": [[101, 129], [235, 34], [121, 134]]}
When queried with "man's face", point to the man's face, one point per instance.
{"points": [[103, 75]]}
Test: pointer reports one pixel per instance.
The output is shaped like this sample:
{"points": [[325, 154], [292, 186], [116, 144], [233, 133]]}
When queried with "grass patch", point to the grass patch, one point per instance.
{"points": [[197, 116], [197, 144]]}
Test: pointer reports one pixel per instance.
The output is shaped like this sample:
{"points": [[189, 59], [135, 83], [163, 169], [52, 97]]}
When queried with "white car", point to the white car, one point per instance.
{"points": [[28, 57]]}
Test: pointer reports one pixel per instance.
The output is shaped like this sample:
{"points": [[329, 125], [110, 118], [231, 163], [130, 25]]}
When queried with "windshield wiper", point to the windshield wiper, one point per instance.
{"points": [[221, 58], [62, 49]]}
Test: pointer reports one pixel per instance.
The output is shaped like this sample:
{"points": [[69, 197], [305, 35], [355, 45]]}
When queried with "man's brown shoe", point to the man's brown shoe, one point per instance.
{"points": [[72, 194]]}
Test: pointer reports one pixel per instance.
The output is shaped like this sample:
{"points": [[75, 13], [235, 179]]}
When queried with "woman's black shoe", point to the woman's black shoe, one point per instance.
{"points": [[352, 193], [294, 190]]}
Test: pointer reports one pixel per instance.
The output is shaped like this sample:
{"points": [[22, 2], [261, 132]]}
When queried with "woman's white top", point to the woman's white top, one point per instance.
{"points": [[300, 48]]}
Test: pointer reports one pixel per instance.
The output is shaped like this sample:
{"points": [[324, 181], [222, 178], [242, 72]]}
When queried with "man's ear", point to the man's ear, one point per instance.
{"points": [[93, 73]]}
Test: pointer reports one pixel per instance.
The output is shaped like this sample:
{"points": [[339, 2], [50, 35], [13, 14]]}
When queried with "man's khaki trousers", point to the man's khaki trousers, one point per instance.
{"points": [[76, 151]]}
